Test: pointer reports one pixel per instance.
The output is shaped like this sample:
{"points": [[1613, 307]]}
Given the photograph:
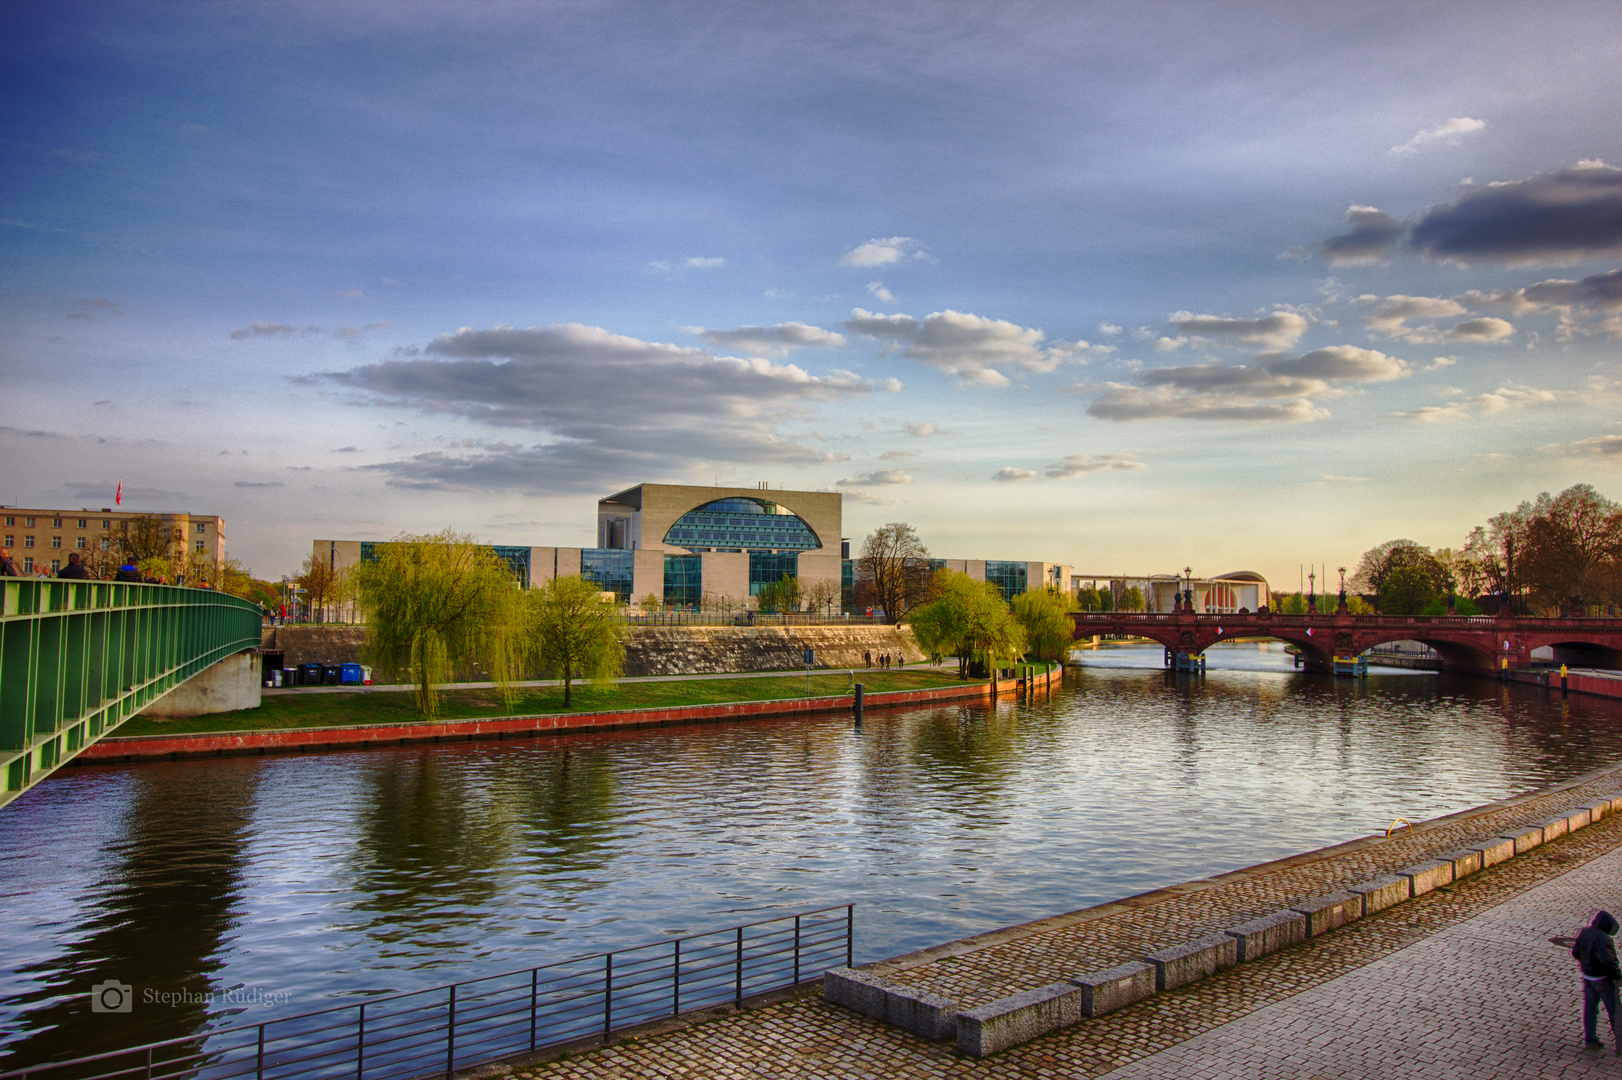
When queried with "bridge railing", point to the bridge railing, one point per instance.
{"points": [[78, 658]]}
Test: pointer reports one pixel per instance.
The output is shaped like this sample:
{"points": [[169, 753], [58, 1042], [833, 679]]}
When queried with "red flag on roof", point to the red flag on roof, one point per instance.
{"points": [[118, 497]]}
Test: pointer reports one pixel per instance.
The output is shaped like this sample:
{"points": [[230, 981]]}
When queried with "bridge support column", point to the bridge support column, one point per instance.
{"points": [[231, 684]]}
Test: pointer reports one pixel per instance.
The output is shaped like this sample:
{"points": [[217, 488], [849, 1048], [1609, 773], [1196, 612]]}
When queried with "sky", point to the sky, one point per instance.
{"points": [[1126, 286]]}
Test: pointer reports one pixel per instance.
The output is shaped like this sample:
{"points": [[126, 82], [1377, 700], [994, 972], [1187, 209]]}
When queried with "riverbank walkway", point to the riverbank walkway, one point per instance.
{"points": [[1474, 979]]}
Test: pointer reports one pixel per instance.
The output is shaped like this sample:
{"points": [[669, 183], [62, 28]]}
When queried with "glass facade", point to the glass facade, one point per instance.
{"points": [[847, 584], [684, 581], [742, 525], [517, 558], [610, 569], [768, 569], [1007, 576]]}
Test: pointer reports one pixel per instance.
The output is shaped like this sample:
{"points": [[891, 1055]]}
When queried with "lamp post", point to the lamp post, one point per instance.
{"points": [[1342, 570], [1312, 592], [1188, 588]]}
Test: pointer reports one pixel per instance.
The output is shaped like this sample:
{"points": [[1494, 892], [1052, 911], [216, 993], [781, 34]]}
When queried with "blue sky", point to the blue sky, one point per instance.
{"points": [[1126, 286]]}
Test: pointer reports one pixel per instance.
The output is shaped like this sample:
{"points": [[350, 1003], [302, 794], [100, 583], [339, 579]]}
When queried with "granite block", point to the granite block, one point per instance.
{"points": [[1106, 991], [1183, 964], [1330, 912], [1268, 934]]}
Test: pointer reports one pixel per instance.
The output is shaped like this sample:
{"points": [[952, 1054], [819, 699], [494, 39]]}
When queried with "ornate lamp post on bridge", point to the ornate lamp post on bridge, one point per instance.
{"points": [[1342, 606]]}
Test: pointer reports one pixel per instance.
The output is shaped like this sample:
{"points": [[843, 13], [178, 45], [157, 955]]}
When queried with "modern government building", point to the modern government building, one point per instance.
{"points": [[688, 546]]}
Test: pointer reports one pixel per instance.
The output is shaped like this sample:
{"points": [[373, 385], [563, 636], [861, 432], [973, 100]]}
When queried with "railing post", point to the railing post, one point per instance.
{"points": [[675, 981], [149, 1063], [450, 1036], [850, 934], [737, 987], [796, 950], [259, 1066], [534, 988], [608, 993], [360, 1045]]}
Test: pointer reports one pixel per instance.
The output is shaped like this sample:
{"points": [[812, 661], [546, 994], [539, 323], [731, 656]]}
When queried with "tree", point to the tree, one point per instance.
{"points": [[1132, 599], [1087, 598], [319, 581], [439, 604], [1045, 616], [145, 542], [1407, 590], [1573, 542], [650, 604], [967, 619], [780, 596], [573, 632], [820, 595], [1379, 563], [894, 564]]}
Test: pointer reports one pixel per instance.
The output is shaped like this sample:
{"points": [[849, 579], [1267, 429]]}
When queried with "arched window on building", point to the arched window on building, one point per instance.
{"points": [[742, 525]]}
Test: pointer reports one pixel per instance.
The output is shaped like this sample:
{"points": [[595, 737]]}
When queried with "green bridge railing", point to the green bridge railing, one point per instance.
{"points": [[78, 658]]}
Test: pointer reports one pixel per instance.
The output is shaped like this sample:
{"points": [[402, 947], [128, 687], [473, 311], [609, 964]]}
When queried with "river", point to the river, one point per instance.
{"points": [[311, 878]]}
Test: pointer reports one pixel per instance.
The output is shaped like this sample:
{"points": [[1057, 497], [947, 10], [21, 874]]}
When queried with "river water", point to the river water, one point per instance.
{"points": [[313, 878]]}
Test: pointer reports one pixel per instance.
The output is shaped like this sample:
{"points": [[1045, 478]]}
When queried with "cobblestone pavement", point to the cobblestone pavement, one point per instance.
{"points": [[1492, 996], [806, 1037]]}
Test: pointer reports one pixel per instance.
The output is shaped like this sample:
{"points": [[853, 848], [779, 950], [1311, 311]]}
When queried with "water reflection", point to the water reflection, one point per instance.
{"points": [[158, 914]]}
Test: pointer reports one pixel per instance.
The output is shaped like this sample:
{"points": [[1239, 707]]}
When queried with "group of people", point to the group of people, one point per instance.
{"points": [[884, 659], [75, 569]]}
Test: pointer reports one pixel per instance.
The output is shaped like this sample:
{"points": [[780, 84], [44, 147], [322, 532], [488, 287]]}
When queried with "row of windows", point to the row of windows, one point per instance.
{"points": [[80, 542], [610, 569], [684, 580], [28, 564], [742, 525], [106, 523]]}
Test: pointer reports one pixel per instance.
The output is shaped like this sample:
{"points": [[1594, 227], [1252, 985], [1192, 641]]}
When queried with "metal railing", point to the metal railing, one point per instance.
{"points": [[78, 658], [633, 617], [436, 1032]]}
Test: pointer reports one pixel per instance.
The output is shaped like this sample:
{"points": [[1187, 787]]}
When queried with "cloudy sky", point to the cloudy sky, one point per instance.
{"points": [[1130, 286]]}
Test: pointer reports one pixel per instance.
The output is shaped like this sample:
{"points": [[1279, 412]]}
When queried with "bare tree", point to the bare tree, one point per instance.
{"points": [[895, 565]]}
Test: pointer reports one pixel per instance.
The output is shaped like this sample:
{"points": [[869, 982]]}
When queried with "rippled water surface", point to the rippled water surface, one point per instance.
{"points": [[366, 871]]}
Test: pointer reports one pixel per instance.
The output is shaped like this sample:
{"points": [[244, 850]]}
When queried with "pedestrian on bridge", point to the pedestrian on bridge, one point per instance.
{"points": [[7, 567], [1596, 952], [74, 568]]}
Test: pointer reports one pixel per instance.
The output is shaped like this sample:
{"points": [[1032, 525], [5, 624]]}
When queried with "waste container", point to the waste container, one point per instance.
{"points": [[310, 674], [351, 675], [334, 675], [289, 676], [366, 676]]}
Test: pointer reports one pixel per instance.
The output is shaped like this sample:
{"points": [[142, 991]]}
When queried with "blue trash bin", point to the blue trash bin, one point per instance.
{"points": [[350, 674]]}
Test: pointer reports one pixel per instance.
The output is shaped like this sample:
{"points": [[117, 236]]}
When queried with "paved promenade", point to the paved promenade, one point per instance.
{"points": [[1460, 982]]}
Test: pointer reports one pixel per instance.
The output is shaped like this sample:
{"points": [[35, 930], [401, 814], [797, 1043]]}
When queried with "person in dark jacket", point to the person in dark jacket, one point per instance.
{"points": [[128, 572], [74, 568], [1596, 952], [7, 567]]}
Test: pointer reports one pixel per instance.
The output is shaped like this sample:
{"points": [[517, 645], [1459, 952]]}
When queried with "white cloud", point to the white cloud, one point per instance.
{"points": [[673, 407], [699, 262], [877, 478], [1506, 397], [1278, 390], [1391, 317], [1109, 328], [861, 496], [776, 340], [880, 292], [971, 347], [1170, 344], [1013, 475], [882, 252], [1448, 131], [1608, 446], [1280, 330], [1087, 464], [1480, 330], [1369, 238], [925, 431]]}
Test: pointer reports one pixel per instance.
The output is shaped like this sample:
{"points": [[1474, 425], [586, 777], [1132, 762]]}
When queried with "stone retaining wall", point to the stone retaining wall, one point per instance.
{"points": [[661, 650]]}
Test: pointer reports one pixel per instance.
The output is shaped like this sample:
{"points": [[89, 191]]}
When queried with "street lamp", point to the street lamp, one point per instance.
{"points": [[1342, 570], [1188, 586]]}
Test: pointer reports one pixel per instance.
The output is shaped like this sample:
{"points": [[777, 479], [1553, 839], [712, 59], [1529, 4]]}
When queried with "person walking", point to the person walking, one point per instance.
{"points": [[867, 657], [7, 567], [128, 573], [1596, 952], [74, 568]]}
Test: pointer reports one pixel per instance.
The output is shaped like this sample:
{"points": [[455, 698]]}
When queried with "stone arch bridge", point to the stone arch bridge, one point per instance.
{"points": [[1477, 644]]}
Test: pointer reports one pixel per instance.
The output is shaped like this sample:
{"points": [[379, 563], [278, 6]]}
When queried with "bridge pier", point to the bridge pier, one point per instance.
{"points": [[231, 684]]}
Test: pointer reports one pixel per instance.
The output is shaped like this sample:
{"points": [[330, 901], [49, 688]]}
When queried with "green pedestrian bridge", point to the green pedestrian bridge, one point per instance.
{"points": [[78, 658]]}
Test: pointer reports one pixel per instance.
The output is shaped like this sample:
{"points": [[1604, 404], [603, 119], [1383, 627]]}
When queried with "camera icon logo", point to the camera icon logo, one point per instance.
{"points": [[112, 996]]}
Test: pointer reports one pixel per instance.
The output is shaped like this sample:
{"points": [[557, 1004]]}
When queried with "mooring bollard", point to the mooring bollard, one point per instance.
{"points": [[856, 701]]}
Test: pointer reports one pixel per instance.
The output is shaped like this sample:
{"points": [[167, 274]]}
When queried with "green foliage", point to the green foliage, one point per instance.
{"points": [[1087, 598], [1407, 590], [967, 618], [1462, 605], [437, 604], [1045, 616], [779, 596], [1132, 599], [573, 632], [142, 541]]}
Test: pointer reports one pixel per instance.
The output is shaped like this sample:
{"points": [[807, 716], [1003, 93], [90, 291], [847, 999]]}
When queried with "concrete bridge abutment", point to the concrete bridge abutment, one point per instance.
{"points": [[229, 685]]}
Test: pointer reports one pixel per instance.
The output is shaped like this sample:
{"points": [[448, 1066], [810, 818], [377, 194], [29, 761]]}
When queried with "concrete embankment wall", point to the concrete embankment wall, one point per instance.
{"points": [[1601, 683], [660, 650], [303, 740]]}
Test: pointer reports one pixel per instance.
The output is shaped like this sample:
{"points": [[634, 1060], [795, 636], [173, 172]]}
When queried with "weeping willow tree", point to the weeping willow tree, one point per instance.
{"points": [[437, 605], [574, 632]]}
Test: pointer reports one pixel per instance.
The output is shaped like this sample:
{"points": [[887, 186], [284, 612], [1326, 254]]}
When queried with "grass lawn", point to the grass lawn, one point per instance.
{"points": [[393, 707]]}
